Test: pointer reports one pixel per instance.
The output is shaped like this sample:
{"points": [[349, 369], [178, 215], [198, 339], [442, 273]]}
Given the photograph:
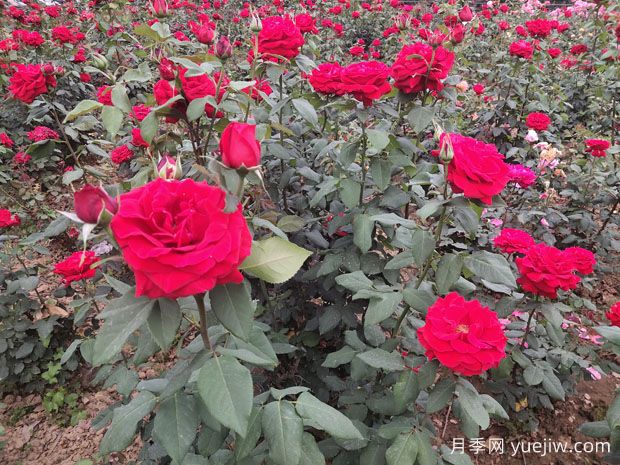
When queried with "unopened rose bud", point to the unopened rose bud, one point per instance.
{"points": [[256, 24], [466, 14], [94, 205], [223, 48], [404, 22], [169, 168], [99, 61], [48, 69], [160, 8], [239, 146]]}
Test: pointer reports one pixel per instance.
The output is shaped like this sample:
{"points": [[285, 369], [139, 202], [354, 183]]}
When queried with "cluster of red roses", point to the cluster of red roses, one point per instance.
{"points": [[545, 269], [30, 81]]}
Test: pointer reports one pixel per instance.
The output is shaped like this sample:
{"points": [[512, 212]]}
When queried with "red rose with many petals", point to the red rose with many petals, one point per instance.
{"points": [[77, 267], [29, 81], [279, 36], [366, 81], [539, 27], [597, 147], [178, 240], [537, 121], [463, 335], [521, 48], [476, 169], [7, 219], [545, 269], [613, 315], [581, 260], [121, 154], [513, 241], [419, 67], [326, 79]]}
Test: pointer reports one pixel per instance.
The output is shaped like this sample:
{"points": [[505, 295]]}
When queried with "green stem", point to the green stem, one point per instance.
{"points": [[363, 163], [200, 301]]}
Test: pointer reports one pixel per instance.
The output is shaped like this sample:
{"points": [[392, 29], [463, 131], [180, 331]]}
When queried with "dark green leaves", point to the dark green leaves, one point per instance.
{"points": [[175, 425], [326, 417], [283, 429], [125, 421], [233, 307], [493, 269], [164, 321]]}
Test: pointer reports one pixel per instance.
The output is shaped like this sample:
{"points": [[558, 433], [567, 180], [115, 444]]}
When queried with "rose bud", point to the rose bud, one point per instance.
{"points": [[94, 205], [169, 168], [256, 24], [160, 8], [465, 14], [223, 49], [204, 33], [48, 68], [166, 69], [99, 61], [239, 146]]}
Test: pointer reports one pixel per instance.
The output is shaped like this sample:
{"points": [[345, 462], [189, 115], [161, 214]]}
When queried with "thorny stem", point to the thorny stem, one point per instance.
{"points": [[64, 135], [364, 171], [527, 327], [200, 301], [280, 119]]}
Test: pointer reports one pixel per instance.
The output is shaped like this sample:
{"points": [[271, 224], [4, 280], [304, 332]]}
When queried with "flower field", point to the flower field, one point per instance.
{"points": [[306, 233]]}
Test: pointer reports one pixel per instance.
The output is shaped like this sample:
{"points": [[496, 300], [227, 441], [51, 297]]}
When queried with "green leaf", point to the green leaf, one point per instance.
{"points": [[491, 267], [406, 389], [382, 307], [533, 375], [553, 386], [226, 388], [363, 226], [233, 307], [85, 106], [283, 429], [125, 422], [403, 450], [149, 126], [340, 357], [120, 99], [122, 317], [244, 446], [306, 110], [448, 272], [440, 396], [176, 425], [472, 404], [196, 108], [71, 176], [426, 454], [378, 139], [420, 117], [596, 429], [611, 333], [164, 321], [381, 359], [275, 260], [326, 417], [381, 171], [142, 74], [112, 119], [422, 246], [350, 192], [310, 452], [355, 281], [373, 454]]}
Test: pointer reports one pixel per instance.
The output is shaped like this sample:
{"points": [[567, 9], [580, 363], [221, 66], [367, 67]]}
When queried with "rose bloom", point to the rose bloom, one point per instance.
{"points": [[513, 241], [419, 67], [42, 133], [239, 147], [537, 121], [77, 267], [121, 154], [521, 48], [137, 140], [29, 81], [262, 85], [326, 79], [582, 260], [366, 81], [613, 315], [177, 239], [476, 169], [306, 23], [597, 147], [6, 140], [139, 112], [92, 204], [554, 52], [7, 219], [521, 175], [21, 158], [478, 89], [545, 269], [279, 36], [463, 335], [196, 87], [104, 95], [539, 27], [579, 49]]}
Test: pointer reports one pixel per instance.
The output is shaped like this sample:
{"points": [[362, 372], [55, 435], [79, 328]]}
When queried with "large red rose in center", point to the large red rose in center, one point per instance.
{"points": [[178, 240]]}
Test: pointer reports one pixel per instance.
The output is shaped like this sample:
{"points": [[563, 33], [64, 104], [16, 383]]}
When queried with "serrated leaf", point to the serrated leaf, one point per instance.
{"points": [[164, 321], [233, 307], [306, 110], [383, 360], [363, 226], [403, 450], [275, 260], [326, 417], [125, 422], [492, 267], [176, 425], [283, 429], [448, 272], [85, 106]]}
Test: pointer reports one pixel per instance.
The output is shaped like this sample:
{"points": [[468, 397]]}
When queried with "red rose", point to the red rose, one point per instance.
{"points": [[419, 67], [6, 140], [554, 52], [476, 169], [178, 240], [139, 112], [366, 81], [597, 147], [279, 36], [579, 49], [7, 220], [204, 32], [613, 315], [545, 269], [29, 81], [581, 260], [463, 335], [239, 146], [166, 69], [93, 205], [262, 85], [41, 133], [163, 91], [306, 23], [121, 154], [326, 79], [137, 140], [513, 241], [522, 49], [104, 95], [537, 121], [77, 267], [466, 14], [195, 87], [539, 27], [478, 89]]}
